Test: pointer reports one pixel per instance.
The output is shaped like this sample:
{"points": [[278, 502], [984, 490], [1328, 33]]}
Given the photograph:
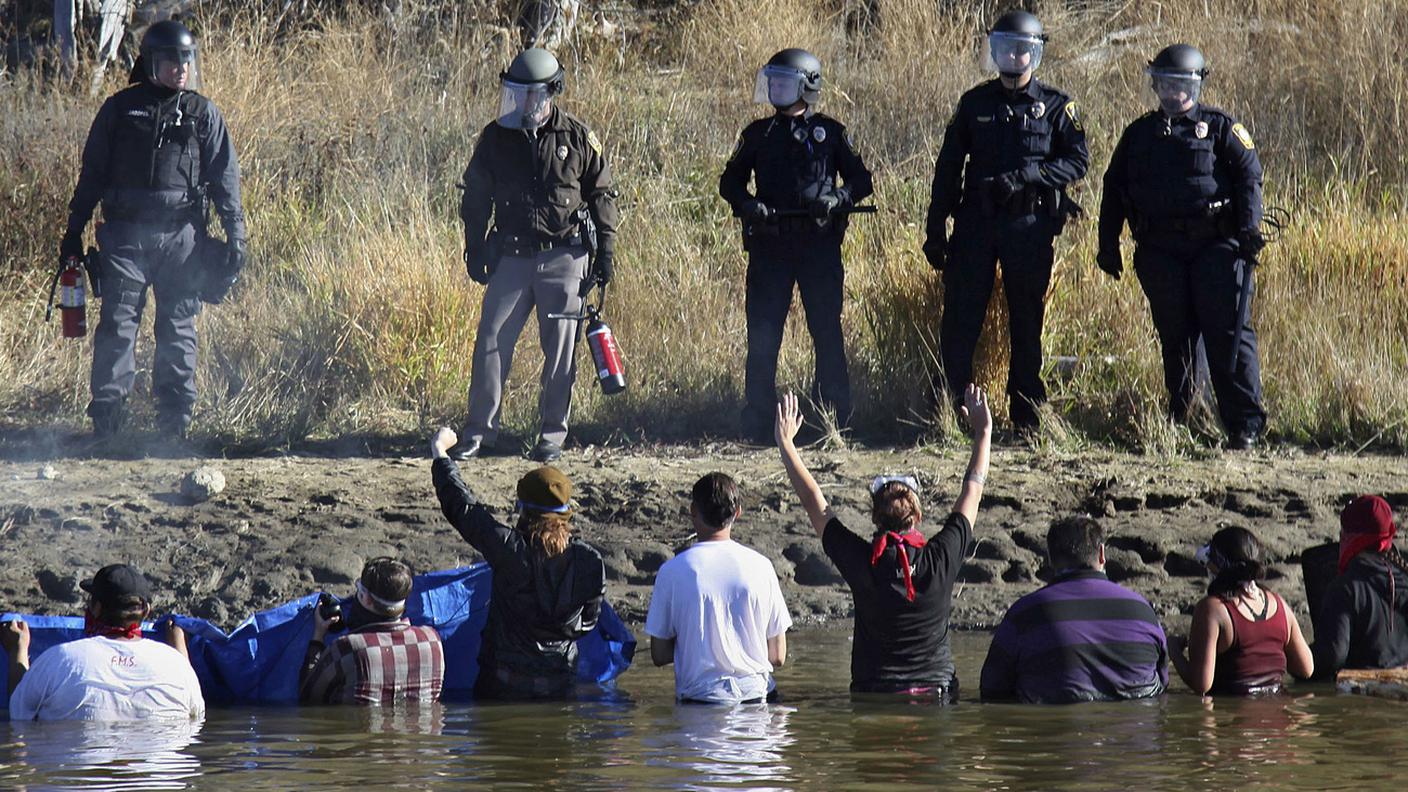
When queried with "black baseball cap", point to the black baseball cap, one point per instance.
{"points": [[118, 584]]}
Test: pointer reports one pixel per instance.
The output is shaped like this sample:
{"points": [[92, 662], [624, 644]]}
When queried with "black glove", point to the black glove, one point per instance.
{"points": [[936, 251], [236, 253], [71, 246], [1006, 185], [604, 268], [1109, 261], [1251, 242], [475, 267], [754, 210], [222, 276], [822, 206]]}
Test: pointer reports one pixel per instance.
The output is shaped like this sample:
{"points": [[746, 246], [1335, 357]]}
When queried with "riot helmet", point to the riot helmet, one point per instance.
{"points": [[529, 85], [170, 57], [1176, 77], [790, 76], [1015, 44]]}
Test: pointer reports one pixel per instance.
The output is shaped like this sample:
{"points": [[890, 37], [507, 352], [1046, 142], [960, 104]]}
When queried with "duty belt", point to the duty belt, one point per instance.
{"points": [[517, 245], [163, 216]]}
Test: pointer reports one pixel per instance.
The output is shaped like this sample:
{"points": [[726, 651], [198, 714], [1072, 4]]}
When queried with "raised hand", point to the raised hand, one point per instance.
{"points": [[789, 420], [975, 410]]}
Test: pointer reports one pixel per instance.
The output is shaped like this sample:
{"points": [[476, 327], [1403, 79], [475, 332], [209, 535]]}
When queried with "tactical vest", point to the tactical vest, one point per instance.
{"points": [[789, 173], [1008, 139], [155, 161], [1172, 172]]}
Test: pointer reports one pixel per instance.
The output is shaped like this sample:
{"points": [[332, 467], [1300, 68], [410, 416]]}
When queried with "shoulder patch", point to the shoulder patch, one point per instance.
{"points": [[1074, 114], [1243, 136], [593, 142], [737, 149]]}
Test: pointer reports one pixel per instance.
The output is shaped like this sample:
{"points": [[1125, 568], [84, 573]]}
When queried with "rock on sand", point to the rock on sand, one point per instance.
{"points": [[203, 483]]}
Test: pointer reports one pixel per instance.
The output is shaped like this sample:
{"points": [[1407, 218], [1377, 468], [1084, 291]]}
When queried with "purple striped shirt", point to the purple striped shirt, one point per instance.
{"points": [[1080, 638]]}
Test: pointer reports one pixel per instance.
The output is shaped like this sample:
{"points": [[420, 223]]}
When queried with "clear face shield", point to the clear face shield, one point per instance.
{"points": [[524, 105], [1013, 54], [778, 86], [177, 69], [1177, 93]]}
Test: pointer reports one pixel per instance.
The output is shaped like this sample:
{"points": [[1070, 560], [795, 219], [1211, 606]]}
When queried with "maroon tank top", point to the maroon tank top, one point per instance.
{"points": [[1256, 661]]}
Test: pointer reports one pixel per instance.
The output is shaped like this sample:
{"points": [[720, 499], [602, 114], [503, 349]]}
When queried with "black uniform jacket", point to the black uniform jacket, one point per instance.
{"points": [[151, 153], [539, 606], [1035, 131], [1363, 619], [1168, 173], [535, 181], [792, 160]]}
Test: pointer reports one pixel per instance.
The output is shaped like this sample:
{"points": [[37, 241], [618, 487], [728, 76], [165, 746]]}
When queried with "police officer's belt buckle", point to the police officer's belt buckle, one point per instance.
{"points": [[530, 246]]}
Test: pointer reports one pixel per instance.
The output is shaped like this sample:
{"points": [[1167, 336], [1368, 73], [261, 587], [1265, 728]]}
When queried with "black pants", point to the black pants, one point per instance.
{"points": [[136, 257], [1023, 244], [1193, 288], [812, 263]]}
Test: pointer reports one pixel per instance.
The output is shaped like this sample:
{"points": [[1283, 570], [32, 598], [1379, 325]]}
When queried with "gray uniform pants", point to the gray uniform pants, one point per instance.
{"points": [[548, 281], [136, 256]]}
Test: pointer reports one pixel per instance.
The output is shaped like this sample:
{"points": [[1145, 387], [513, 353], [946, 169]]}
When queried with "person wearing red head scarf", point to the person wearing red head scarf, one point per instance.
{"points": [[1363, 621]]}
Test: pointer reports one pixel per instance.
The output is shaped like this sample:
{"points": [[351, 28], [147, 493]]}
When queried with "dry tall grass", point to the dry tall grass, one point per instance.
{"points": [[356, 315]]}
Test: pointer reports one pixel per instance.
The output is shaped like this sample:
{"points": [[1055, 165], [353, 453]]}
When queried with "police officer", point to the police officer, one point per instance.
{"points": [[793, 225], [156, 152], [1187, 179], [1009, 152], [540, 173]]}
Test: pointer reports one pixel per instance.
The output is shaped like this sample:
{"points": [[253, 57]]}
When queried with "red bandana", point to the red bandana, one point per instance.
{"points": [[92, 627], [1365, 524], [911, 538]]}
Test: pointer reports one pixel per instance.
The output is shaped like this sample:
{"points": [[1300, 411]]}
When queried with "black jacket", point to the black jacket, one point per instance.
{"points": [[151, 154], [1035, 131], [1166, 173], [1358, 625], [534, 183], [539, 606], [792, 160]]}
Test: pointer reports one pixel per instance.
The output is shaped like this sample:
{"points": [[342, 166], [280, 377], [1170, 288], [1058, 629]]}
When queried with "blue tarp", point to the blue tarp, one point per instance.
{"points": [[259, 662]]}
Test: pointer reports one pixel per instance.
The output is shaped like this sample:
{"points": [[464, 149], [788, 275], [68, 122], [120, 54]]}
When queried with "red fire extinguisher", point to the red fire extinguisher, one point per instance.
{"points": [[606, 354], [610, 373], [73, 301]]}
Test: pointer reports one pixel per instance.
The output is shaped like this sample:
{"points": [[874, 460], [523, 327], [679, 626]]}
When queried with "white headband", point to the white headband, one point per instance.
{"points": [[387, 606]]}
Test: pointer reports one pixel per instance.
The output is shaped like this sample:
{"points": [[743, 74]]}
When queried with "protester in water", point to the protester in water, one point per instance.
{"points": [[1079, 638], [1243, 639], [382, 659], [1363, 619], [112, 674], [902, 582], [717, 611], [548, 584]]}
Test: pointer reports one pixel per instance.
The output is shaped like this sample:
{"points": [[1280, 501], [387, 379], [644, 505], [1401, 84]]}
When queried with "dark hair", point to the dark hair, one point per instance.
{"points": [[895, 507], [716, 497], [126, 611], [387, 578], [1237, 554], [1075, 542]]}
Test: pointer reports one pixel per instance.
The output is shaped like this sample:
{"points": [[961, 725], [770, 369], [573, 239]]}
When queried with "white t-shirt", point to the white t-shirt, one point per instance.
{"points": [[720, 602], [108, 679]]}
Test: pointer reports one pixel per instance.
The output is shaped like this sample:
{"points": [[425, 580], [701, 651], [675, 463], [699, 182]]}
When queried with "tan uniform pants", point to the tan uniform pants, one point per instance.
{"points": [[548, 281]]}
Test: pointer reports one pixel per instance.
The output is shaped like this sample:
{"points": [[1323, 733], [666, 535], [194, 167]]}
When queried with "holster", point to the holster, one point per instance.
{"points": [[493, 250], [586, 227], [93, 265]]}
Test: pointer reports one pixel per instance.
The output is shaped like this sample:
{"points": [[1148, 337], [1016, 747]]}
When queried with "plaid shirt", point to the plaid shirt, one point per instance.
{"points": [[380, 663]]}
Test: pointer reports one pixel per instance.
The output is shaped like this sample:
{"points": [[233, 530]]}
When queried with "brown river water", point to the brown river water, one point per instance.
{"points": [[635, 737]]}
